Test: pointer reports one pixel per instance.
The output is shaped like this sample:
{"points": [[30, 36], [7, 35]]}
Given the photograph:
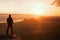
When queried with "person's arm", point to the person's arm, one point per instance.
{"points": [[7, 20], [12, 20]]}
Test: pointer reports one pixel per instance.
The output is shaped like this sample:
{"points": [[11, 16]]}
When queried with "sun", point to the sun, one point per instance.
{"points": [[38, 10]]}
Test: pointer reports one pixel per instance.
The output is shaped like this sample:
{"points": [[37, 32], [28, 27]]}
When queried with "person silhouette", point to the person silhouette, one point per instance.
{"points": [[10, 23]]}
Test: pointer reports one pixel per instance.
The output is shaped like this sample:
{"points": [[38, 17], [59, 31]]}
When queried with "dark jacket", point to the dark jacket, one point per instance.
{"points": [[10, 21]]}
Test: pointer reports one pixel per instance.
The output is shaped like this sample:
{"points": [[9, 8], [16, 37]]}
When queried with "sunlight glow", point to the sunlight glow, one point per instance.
{"points": [[38, 10]]}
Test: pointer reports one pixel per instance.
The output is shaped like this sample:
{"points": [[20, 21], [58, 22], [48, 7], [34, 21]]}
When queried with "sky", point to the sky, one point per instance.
{"points": [[28, 7]]}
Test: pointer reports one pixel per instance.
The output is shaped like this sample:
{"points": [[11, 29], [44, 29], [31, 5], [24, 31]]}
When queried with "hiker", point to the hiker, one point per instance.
{"points": [[10, 23]]}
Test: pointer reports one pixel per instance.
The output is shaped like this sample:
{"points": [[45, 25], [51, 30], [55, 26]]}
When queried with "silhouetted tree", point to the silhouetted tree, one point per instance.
{"points": [[56, 2]]}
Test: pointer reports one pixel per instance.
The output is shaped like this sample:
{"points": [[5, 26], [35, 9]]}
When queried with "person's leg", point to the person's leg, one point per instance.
{"points": [[7, 29], [11, 30]]}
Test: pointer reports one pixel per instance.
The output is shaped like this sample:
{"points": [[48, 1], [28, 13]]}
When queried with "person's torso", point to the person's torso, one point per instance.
{"points": [[9, 21]]}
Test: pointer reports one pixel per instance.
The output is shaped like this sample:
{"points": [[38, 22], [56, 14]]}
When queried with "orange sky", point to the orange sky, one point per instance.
{"points": [[28, 6]]}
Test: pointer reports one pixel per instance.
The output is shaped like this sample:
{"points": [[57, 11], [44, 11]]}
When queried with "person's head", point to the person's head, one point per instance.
{"points": [[9, 16]]}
